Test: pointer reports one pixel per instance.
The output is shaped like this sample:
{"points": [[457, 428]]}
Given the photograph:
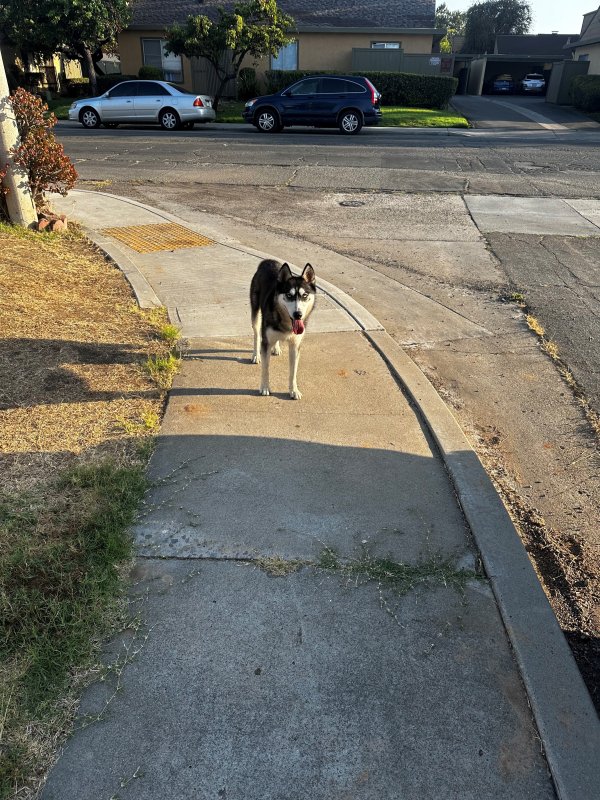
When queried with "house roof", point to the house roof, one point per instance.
{"points": [[590, 30], [539, 44], [392, 14]]}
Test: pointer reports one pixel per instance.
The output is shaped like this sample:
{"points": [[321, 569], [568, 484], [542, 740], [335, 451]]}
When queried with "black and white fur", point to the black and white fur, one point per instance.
{"points": [[281, 304]]}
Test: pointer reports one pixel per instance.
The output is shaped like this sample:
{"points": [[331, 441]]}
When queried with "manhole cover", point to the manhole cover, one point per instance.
{"points": [[352, 203], [163, 236]]}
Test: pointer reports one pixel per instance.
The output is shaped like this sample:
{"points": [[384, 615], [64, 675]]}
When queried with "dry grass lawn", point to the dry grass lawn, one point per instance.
{"points": [[78, 407], [73, 342]]}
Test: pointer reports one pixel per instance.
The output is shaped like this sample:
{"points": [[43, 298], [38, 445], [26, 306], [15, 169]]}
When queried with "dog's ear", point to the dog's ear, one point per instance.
{"points": [[285, 273], [308, 274]]}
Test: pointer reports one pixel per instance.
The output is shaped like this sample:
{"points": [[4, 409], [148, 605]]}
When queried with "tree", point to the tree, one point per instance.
{"points": [[80, 29], [454, 22], [256, 27], [486, 20]]}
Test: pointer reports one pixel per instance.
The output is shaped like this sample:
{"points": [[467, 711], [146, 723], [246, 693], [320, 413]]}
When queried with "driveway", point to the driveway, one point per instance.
{"points": [[517, 112]]}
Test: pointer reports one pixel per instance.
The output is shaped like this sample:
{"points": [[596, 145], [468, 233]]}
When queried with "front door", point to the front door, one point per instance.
{"points": [[297, 102], [117, 105]]}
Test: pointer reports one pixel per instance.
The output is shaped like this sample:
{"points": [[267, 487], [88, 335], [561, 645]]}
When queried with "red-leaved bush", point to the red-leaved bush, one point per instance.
{"points": [[43, 158]]}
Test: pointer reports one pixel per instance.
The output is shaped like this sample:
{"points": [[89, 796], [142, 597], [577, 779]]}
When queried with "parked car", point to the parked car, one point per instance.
{"points": [[534, 83], [146, 102], [503, 84], [346, 102]]}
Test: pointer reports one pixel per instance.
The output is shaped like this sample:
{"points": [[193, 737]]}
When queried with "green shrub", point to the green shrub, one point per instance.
{"points": [[248, 85], [106, 82], [151, 73], [78, 87], [397, 88], [585, 92]]}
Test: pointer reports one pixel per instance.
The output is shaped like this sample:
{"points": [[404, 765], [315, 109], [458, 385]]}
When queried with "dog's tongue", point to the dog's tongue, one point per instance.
{"points": [[298, 326]]}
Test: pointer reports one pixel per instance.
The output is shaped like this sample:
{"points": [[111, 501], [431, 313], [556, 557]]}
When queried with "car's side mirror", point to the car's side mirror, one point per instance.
{"points": [[285, 94]]}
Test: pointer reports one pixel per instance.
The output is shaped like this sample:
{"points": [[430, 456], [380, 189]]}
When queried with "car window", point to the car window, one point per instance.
{"points": [[339, 86], [309, 86], [151, 89], [352, 86], [332, 86], [180, 90], [127, 89]]}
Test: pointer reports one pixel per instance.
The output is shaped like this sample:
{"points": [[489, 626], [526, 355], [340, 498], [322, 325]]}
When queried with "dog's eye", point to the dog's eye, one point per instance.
{"points": [[290, 295]]}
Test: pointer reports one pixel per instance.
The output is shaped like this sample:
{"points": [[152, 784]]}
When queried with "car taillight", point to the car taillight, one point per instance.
{"points": [[374, 92], [198, 103]]}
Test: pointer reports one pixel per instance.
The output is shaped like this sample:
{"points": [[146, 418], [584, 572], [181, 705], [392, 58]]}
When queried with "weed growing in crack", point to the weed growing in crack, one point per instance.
{"points": [[278, 566], [400, 577]]}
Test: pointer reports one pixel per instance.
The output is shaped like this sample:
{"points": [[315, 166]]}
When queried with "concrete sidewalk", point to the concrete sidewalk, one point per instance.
{"points": [[315, 621]]}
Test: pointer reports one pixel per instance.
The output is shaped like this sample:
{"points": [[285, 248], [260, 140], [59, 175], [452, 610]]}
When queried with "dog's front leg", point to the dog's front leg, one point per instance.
{"points": [[265, 353], [295, 343], [256, 325]]}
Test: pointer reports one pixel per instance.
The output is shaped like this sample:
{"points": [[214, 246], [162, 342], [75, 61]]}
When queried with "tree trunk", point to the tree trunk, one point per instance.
{"points": [[91, 70]]}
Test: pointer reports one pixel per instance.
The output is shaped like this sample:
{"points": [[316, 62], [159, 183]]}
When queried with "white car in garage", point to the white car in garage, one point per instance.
{"points": [[533, 84]]}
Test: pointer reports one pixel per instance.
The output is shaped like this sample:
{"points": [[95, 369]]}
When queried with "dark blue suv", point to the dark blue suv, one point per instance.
{"points": [[346, 102]]}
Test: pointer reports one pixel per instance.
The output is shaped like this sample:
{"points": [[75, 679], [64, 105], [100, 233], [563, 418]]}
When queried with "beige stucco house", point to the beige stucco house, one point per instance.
{"points": [[587, 46], [329, 37]]}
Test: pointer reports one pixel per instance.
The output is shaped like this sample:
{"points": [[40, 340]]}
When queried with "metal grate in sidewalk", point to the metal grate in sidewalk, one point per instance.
{"points": [[160, 236]]}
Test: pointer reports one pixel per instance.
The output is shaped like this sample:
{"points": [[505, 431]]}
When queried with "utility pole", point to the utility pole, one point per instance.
{"points": [[19, 201]]}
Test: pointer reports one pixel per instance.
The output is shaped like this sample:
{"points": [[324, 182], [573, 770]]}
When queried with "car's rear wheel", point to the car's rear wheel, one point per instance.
{"points": [[169, 119], [267, 121], [350, 121], [89, 118]]}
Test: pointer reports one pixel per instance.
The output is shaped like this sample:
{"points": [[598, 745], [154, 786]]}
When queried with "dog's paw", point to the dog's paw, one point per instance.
{"points": [[255, 358], [264, 391], [276, 351], [296, 394]]}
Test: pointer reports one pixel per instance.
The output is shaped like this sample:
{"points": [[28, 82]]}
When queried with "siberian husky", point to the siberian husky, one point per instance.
{"points": [[281, 304]]}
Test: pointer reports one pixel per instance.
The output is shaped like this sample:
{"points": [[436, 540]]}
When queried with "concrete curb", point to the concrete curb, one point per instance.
{"points": [[563, 710], [564, 713]]}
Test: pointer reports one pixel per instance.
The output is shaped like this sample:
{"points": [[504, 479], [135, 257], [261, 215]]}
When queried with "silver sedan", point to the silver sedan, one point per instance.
{"points": [[146, 102]]}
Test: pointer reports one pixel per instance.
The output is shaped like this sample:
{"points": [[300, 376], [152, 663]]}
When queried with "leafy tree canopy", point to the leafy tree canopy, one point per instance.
{"points": [[256, 28], [484, 21], [82, 29], [454, 22]]}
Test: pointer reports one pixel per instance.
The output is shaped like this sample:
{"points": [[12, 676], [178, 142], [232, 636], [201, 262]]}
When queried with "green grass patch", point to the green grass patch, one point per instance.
{"points": [[162, 369], [60, 593], [60, 106], [393, 116], [397, 116], [230, 111], [169, 333]]}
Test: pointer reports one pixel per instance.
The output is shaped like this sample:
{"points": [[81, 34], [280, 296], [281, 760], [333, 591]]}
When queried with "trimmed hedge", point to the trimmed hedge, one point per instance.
{"points": [[585, 92], [151, 73], [77, 87], [397, 88], [247, 84], [106, 82]]}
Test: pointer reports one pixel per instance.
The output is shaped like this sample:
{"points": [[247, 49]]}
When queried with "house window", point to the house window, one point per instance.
{"points": [[153, 55], [385, 45], [584, 57], [286, 58]]}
